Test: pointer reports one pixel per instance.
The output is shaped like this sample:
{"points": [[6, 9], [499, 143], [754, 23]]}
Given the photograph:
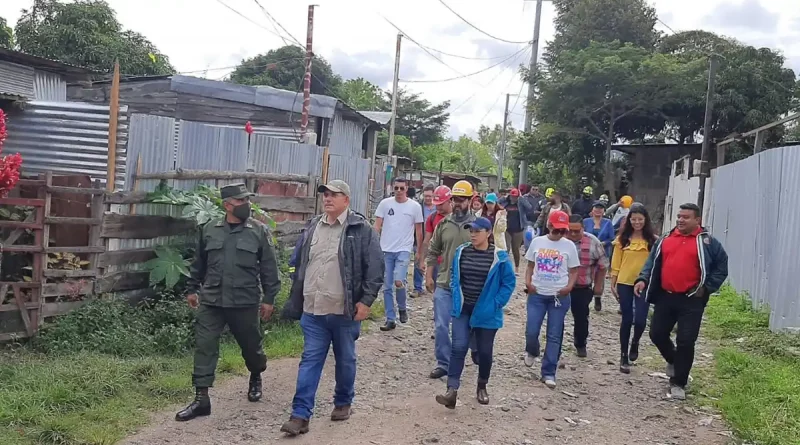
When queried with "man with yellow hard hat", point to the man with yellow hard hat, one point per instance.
{"points": [[583, 205], [448, 235]]}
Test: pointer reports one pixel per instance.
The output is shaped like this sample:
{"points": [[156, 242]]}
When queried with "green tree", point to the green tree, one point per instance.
{"points": [[753, 87], [463, 155], [418, 119], [402, 145], [6, 34], [285, 68], [608, 91], [579, 22], [87, 33], [361, 95]]}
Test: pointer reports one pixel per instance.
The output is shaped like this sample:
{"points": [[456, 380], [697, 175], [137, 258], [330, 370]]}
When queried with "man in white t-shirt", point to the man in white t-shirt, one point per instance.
{"points": [[551, 274], [398, 221]]}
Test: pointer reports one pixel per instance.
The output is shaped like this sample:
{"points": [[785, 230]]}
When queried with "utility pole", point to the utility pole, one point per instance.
{"points": [[502, 157], [392, 123], [307, 76], [523, 165], [704, 152]]}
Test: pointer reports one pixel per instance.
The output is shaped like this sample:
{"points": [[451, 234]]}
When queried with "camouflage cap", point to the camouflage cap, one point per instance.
{"points": [[335, 186], [235, 191]]}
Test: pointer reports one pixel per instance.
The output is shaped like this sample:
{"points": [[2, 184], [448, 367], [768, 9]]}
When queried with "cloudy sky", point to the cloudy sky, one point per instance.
{"points": [[357, 39]]}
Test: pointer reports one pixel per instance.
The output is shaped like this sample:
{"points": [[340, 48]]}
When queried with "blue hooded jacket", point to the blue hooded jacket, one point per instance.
{"points": [[500, 283]]}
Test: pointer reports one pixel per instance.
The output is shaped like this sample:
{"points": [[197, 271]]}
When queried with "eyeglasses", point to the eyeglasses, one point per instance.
{"points": [[558, 232], [399, 188]]}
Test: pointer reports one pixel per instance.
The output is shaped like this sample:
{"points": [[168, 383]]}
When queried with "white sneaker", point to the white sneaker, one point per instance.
{"points": [[530, 360], [550, 382]]}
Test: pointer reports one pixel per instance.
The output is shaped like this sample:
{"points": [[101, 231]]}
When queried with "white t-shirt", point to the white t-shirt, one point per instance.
{"points": [[399, 219], [551, 263]]}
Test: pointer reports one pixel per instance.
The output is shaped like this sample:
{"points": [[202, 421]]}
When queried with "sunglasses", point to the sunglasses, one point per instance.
{"points": [[399, 188], [559, 232]]}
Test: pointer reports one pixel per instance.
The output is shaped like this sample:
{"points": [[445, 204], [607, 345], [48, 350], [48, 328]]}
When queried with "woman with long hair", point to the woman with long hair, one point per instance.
{"points": [[477, 205], [493, 211], [631, 249]]}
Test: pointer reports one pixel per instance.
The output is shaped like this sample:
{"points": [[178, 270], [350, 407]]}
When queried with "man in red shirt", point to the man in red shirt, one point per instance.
{"points": [[684, 268]]}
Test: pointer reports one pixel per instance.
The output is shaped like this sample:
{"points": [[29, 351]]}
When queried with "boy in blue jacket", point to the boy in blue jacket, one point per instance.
{"points": [[482, 281]]}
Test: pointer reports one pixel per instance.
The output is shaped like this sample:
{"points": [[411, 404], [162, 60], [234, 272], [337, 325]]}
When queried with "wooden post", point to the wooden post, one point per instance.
{"points": [[97, 209], [41, 239], [113, 116], [135, 186], [326, 159]]}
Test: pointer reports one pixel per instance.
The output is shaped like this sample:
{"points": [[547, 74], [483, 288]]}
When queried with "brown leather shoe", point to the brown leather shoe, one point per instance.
{"points": [[448, 399], [341, 413], [295, 426]]}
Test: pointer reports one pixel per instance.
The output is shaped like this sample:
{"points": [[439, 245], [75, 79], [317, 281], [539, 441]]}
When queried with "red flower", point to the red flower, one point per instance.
{"points": [[248, 128], [9, 165]]}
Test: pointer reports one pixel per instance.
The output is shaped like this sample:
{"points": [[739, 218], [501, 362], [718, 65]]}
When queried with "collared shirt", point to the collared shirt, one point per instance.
{"points": [[323, 289], [680, 270], [593, 258]]}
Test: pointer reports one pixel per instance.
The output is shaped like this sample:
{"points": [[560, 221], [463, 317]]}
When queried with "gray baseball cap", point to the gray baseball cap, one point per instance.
{"points": [[335, 186]]}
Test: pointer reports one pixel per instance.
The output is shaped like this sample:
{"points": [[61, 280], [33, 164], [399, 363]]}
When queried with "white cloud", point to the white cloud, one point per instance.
{"points": [[200, 34]]}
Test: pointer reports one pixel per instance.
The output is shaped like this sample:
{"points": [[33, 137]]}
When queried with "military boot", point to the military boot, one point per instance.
{"points": [[201, 406], [254, 391]]}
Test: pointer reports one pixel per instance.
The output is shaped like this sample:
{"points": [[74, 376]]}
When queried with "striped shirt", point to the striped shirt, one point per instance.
{"points": [[593, 258], [474, 268]]}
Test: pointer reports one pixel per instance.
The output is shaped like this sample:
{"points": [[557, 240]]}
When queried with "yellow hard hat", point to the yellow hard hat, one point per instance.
{"points": [[626, 201], [463, 188], [588, 190], [549, 192]]}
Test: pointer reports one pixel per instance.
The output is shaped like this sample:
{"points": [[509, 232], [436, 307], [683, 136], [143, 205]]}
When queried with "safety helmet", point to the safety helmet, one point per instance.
{"points": [[549, 192], [441, 195], [588, 190], [463, 189], [626, 201], [604, 198]]}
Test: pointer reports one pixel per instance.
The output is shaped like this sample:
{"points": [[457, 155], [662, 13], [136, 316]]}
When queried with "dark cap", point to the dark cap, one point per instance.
{"points": [[479, 224], [235, 191], [335, 186], [599, 204]]}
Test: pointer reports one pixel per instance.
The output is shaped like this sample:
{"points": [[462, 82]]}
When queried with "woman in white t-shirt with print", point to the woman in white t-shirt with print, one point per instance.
{"points": [[552, 271]]}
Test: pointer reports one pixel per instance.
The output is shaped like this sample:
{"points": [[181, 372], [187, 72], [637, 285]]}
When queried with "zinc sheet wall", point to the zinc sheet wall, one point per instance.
{"points": [[208, 147], [16, 79], [50, 87], [346, 138], [272, 155], [754, 214], [66, 138], [355, 172]]}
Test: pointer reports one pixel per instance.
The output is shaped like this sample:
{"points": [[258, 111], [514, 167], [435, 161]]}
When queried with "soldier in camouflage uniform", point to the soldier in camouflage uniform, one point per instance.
{"points": [[233, 255]]}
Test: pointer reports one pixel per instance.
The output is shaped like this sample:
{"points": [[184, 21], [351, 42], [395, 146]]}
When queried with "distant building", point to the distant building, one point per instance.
{"points": [[25, 78]]}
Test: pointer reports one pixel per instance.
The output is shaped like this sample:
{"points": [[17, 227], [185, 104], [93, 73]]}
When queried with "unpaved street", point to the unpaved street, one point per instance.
{"points": [[593, 404]]}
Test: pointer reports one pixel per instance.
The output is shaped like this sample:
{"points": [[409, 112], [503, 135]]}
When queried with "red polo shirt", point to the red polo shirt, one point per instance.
{"points": [[430, 224], [680, 263]]}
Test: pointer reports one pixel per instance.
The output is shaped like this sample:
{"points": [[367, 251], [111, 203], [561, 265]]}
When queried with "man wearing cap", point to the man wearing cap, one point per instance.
{"points": [[551, 274], [339, 273], [583, 205], [590, 281], [234, 256]]}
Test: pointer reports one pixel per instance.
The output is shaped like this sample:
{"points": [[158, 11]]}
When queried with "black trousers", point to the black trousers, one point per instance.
{"points": [[581, 300], [687, 312]]}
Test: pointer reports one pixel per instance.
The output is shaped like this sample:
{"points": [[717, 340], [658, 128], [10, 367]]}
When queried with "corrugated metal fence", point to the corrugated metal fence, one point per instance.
{"points": [[199, 146], [754, 212], [66, 138]]}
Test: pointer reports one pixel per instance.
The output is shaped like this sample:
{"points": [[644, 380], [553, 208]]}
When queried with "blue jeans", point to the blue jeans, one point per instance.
{"points": [[419, 278], [538, 307], [634, 314], [319, 331], [463, 337], [442, 308], [396, 270]]}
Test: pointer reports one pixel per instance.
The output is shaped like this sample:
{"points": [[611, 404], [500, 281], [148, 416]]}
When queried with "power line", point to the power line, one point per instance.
{"points": [[269, 16], [667, 26], [490, 82], [464, 57], [285, 42], [476, 28], [248, 19], [467, 75]]}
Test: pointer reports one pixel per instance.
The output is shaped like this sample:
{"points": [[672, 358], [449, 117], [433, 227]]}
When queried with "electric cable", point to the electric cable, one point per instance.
{"points": [[478, 29]]}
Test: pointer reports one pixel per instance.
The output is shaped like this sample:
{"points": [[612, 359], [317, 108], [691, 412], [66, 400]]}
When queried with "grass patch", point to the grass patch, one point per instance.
{"points": [[755, 382], [97, 373]]}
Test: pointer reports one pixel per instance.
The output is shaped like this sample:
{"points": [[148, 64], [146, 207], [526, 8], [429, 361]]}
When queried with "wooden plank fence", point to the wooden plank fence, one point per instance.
{"points": [[54, 292]]}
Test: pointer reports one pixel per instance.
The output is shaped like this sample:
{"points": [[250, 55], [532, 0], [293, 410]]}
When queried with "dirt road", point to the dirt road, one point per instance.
{"points": [[593, 404]]}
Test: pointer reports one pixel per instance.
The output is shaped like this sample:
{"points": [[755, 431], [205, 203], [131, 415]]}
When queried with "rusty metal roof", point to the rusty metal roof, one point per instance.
{"points": [[42, 63]]}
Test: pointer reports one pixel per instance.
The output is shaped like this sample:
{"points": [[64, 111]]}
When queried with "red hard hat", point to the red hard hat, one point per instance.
{"points": [[441, 195]]}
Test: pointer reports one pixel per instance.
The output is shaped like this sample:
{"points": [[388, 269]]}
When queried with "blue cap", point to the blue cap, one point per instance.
{"points": [[479, 224], [491, 197]]}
